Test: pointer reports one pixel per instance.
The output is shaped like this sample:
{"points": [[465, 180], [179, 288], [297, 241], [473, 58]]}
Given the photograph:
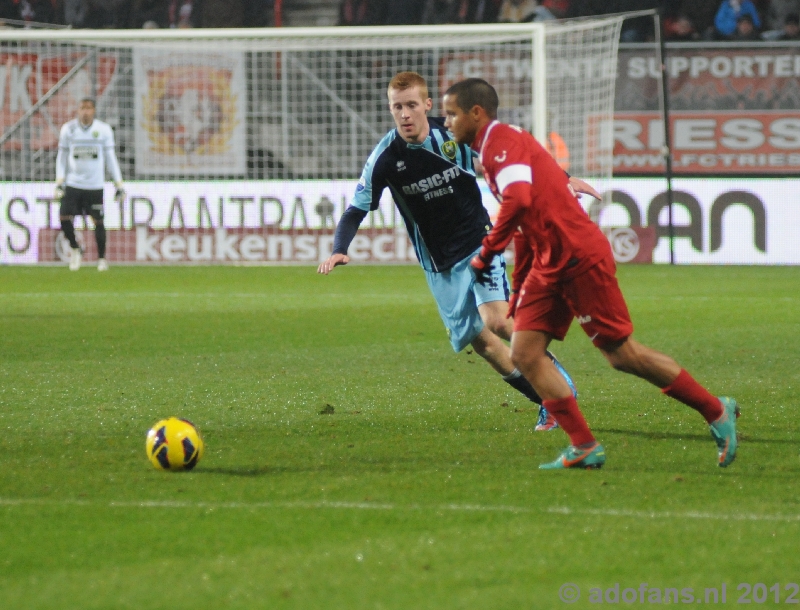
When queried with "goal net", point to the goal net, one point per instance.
{"points": [[242, 146]]}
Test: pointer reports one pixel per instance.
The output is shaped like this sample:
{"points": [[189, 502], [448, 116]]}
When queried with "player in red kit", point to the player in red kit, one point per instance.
{"points": [[565, 270]]}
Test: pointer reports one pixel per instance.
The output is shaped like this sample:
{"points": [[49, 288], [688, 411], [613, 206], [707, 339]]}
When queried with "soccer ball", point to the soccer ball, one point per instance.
{"points": [[174, 444]]}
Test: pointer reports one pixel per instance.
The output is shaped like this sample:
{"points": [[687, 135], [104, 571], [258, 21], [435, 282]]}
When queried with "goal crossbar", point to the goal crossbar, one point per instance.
{"points": [[338, 33]]}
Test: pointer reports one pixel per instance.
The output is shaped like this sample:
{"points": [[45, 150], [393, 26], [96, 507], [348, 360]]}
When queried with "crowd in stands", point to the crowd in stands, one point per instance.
{"points": [[136, 14], [684, 20]]}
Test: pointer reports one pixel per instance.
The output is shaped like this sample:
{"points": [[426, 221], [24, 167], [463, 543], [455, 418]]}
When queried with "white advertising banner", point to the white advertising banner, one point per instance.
{"points": [[716, 221], [190, 112]]}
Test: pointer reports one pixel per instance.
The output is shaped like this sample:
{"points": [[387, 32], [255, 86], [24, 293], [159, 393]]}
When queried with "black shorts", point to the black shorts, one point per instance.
{"points": [[79, 202]]}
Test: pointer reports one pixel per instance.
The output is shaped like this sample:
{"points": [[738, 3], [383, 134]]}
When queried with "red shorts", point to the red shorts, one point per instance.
{"points": [[593, 297]]}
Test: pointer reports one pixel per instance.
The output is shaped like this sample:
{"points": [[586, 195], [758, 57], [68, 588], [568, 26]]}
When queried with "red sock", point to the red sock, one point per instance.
{"points": [[689, 392], [569, 417]]}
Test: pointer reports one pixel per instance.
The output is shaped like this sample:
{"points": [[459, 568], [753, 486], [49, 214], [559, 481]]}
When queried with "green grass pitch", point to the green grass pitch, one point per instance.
{"points": [[420, 490]]}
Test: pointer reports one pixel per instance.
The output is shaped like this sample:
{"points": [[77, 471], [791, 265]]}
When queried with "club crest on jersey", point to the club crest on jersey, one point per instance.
{"points": [[401, 166], [95, 134], [449, 150]]}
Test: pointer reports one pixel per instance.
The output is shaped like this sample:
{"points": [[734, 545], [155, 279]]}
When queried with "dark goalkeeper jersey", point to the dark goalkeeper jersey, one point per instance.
{"points": [[434, 187]]}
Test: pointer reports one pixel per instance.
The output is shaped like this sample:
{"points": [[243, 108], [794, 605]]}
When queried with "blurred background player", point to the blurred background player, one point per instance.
{"points": [[432, 181], [85, 151], [573, 275]]}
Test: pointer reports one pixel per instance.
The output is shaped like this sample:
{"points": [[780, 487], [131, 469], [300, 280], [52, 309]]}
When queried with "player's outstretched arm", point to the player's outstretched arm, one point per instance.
{"points": [[345, 232], [334, 260], [578, 186]]}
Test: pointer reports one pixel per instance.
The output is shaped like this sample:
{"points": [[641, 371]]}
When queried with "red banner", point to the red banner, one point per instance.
{"points": [[26, 77], [268, 245], [702, 142]]}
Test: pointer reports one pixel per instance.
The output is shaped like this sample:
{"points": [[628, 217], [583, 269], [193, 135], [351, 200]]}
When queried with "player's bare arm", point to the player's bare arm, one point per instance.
{"points": [[578, 187], [334, 260]]}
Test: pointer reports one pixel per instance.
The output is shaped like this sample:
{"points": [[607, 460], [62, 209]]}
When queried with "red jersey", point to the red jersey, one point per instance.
{"points": [[534, 195]]}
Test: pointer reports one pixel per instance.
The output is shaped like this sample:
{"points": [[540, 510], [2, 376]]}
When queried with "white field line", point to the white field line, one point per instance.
{"points": [[375, 506]]}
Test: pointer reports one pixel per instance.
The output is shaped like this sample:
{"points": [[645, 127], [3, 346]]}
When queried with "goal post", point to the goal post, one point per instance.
{"points": [[245, 145]]}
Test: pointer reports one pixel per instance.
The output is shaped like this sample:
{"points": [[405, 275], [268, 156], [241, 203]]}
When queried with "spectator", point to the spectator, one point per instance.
{"points": [[362, 12], [745, 30], [179, 14], [700, 14], [728, 15], [559, 8], [680, 29], [144, 11], [75, 12], [638, 29], [523, 11], [37, 11], [791, 27], [778, 11]]}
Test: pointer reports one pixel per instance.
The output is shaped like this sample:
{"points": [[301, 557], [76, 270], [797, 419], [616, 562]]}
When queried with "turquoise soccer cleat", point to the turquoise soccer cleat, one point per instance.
{"points": [[723, 431], [575, 457]]}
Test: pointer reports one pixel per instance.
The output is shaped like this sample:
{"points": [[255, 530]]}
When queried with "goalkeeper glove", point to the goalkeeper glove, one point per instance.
{"points": [[512, 304], [482, 265], [58, 193], [119, 195]]}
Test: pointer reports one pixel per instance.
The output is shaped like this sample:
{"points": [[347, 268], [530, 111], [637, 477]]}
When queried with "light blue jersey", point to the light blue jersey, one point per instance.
{"points": [[434, 187]]}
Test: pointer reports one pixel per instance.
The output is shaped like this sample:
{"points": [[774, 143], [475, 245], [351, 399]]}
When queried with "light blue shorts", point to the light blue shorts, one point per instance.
{"points": [[458, 295]]}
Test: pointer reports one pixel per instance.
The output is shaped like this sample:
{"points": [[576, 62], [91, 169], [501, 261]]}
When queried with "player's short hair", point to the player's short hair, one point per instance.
{"points": [[406, 80], [475, 92], [91, 100]]}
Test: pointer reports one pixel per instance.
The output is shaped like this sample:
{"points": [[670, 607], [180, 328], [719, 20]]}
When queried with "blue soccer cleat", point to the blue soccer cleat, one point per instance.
{"points": [[723, 431], [546, 421], [564, 373], [574, 457]]}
